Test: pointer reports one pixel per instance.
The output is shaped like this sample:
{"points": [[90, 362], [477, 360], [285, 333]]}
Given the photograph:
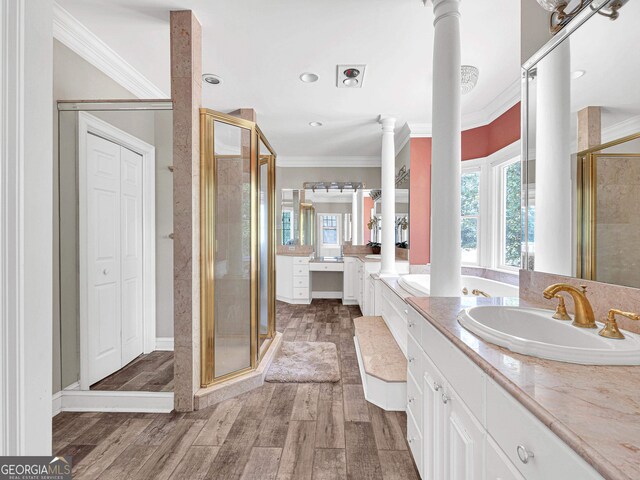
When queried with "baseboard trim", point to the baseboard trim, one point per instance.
{"points": [[164, 344], [292, 301], [326, 295], [110, 401]]}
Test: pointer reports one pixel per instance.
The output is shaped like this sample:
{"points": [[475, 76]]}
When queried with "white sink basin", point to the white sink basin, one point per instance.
{"points": [[534, 332], [376, 256]]}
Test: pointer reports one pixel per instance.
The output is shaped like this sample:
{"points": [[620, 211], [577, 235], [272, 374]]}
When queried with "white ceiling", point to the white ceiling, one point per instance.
{"points": [[260, 48]]}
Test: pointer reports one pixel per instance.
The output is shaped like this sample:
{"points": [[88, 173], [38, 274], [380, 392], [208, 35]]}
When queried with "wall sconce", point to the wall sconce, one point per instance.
{"points": [[560, 16]]}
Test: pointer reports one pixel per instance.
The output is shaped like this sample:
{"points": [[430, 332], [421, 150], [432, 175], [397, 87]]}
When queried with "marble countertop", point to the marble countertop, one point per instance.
{"points": [[593, 409], [363, 258], [293, 254]]}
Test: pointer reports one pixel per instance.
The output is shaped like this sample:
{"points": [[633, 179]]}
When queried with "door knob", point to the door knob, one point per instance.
{"points": [[105, 271]]}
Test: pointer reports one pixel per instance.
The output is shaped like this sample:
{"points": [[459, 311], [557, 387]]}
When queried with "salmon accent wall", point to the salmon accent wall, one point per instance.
{"points": [[366, 216], [482, 141], [420, 201], [476, 143]]}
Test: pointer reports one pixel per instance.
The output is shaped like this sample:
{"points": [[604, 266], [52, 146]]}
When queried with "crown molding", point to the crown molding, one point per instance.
{"points": [[498, 106], [627, 127], [402, 136], [69, 31], [328, 161]]}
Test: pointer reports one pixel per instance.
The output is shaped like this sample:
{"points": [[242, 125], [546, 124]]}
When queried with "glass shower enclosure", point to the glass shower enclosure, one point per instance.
{"points": [[237, 238]]}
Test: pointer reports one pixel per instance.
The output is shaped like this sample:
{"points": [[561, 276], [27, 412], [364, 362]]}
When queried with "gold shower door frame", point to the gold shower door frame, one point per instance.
{"points": [[587, 204], [208, 190], [270, 160]]}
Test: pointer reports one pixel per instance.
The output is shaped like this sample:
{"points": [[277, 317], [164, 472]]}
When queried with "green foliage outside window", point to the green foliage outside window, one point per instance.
{"points": [[470, 207], [512, 215]]}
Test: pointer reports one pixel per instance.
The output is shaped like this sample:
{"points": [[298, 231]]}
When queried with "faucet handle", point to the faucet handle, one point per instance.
{"points": [[561, 309], [610, 329]]}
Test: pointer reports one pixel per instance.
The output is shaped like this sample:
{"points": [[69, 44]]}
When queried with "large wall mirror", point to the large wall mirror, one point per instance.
{"points": [[582, 150]]}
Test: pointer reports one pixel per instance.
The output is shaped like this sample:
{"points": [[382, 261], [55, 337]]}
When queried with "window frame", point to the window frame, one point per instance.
{"points": [[500, 210], [338, 229], [291, 235], [474, 167]]}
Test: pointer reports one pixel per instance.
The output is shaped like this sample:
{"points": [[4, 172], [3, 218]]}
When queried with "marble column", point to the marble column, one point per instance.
{"points": [[553, 221], [446, 151], [186, 93], [388, 181], [354, 219]]}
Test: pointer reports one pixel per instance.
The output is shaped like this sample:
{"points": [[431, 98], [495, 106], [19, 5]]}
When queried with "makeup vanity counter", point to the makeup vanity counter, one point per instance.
{"points": [[595, 410]]}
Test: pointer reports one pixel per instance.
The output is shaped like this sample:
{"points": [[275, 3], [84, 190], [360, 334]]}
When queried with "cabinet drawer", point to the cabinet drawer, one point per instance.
{"points": [[301, 281], [301, 270], [301, 260], [511, 425], [415, 441], [414, 398], [301, 293], [465, 377], [498, 466], [326, 267]]}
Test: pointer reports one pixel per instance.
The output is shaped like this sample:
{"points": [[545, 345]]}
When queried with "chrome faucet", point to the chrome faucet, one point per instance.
{"points": [[584, 316]]}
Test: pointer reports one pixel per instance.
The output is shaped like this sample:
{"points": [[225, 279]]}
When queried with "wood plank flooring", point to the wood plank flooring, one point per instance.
{"points": [[278, 431], [152, 372]]}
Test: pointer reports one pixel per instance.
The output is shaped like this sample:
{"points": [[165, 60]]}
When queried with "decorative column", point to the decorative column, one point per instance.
{"points": [[446, 152], [186, 93], [354, 219], [553, 221], [388, 177]]}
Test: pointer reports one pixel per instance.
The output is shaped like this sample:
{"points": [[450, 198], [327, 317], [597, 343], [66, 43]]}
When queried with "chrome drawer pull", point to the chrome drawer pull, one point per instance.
{"points": [[411, 359], [523, 454], [411, 399], [436, 386], [411, 324], [445, 398]]}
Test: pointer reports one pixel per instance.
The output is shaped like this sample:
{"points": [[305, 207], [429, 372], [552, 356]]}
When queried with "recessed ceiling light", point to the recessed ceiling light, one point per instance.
{"points": [[212, 79], [308, 77], [577, 74], [315, 124], [350, 82]]}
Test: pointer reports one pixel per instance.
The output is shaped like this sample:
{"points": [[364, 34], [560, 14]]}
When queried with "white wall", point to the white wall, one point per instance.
{"points": [[26, 227]]}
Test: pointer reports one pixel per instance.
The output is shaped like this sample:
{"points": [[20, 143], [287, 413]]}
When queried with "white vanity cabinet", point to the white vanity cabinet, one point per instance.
{"points": [[293, 280], [350, 281], [461, 425]]}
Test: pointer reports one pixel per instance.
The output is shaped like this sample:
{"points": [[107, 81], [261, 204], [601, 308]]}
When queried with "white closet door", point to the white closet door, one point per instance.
{"points": [[131, 254], [103, 257]]}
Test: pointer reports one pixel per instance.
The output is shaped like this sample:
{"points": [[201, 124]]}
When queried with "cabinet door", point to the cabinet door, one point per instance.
{"points": [[432, 468], [349, 279], [498, 466], [463, 439]]}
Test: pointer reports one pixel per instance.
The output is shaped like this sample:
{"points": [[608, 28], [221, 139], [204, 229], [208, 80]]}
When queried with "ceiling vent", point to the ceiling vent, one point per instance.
{"points": [[350, 76]]}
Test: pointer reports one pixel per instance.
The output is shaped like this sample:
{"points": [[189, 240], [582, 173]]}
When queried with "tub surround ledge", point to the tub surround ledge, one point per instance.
{"points": [[593, 409]]}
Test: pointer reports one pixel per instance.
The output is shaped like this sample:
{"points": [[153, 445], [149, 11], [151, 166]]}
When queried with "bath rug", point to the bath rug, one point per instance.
{"points": [[305, 362]]}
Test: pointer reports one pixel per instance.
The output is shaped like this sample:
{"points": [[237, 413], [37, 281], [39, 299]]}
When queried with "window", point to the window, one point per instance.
{"points": [[286, 227], [330, 230], [470, 211], [511, 218]]}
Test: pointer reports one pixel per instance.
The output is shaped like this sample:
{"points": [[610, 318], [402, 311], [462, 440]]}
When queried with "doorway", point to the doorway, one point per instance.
{"points": [[116, 208]]}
